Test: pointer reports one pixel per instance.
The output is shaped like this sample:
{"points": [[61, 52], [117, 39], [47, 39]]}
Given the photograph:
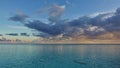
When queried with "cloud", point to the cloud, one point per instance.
{"points": [[89, 26], [19, 17], [16, 34], [69, 3], [118, 11], [55, 12], [12, 34], [1, 35], [43, 35], [94, 30], [45, 28], [24, 34]]}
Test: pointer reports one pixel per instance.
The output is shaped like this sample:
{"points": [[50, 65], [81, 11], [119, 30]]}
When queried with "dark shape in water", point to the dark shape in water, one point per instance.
{"points": [[79, 62], [41, 60]]}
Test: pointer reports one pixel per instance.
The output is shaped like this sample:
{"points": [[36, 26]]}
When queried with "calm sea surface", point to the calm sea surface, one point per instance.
{"points": [[59, 56]]}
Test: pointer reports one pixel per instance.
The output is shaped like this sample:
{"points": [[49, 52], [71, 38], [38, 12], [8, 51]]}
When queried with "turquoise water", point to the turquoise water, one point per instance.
{"points": [[59, 56]]}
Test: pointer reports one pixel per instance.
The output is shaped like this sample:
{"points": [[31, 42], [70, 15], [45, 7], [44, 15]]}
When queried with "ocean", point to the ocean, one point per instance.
{"points": [[59, 56]]}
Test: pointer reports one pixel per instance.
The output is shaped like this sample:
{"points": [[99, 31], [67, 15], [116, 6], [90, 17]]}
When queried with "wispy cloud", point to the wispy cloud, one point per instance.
{"points": [[54, 11], [19, 17], [69, 3]]}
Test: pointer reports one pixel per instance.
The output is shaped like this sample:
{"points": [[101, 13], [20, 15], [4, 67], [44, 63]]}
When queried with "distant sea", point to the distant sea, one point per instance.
{"points": [[59, 56]]}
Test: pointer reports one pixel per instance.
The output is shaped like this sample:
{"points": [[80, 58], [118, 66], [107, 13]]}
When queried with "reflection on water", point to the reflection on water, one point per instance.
{"points": [[59, 56]]}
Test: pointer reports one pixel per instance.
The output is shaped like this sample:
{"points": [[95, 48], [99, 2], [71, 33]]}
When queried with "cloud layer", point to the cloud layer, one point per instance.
{"points": [[89, 26]]}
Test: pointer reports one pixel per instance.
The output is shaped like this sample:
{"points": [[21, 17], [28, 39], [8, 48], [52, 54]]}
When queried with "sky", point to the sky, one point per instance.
{"points": [[59, 18]]}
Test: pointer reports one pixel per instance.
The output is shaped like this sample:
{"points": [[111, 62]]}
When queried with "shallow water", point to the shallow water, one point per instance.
{"points": [[59, 56]]}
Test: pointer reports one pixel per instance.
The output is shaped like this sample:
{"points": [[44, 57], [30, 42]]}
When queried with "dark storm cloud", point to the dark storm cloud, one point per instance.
{"points": [[45, 28], [12, 34], [114, 22]]}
